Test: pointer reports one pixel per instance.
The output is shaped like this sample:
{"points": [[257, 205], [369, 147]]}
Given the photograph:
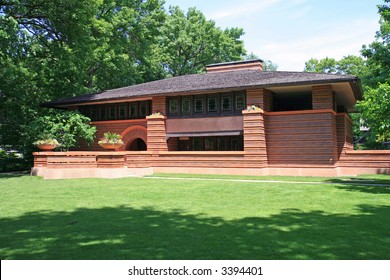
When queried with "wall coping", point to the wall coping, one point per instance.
{"points": [[301, 112], [152, 117], [203, 153], [367, 152], [118, 121]]}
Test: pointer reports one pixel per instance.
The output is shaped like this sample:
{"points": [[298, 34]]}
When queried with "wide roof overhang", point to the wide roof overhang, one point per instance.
{"points": [[347, 88]]}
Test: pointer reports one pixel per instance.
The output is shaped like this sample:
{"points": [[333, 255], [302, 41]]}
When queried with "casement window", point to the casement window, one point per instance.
{"points": [[186, 105], [211, 143], [173, 106], [212, 104], [240, 102], [143, 109], [199, 108], [112, 113], [133, 111], [103, 113], [226, 103], [197, 144], [236, 144], [222, 144], [216, 104], [122, 112]]}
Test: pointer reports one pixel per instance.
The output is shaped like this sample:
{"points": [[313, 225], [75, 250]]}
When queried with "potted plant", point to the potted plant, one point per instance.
{"points": [[111, 141], [251, 108], [156, 115], [46, 143]]}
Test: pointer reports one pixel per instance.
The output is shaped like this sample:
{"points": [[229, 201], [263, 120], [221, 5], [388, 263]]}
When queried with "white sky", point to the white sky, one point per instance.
{"points": [[290, 32]]}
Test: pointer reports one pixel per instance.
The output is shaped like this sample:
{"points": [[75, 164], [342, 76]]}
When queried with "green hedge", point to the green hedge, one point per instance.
{"points": [[10, 161]]}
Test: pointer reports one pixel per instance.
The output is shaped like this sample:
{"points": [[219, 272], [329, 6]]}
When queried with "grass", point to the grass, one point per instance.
{"points": [[160, 218]]}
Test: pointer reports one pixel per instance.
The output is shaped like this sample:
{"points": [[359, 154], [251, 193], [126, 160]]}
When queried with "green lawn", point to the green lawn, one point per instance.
{"points": [[162, 218]]}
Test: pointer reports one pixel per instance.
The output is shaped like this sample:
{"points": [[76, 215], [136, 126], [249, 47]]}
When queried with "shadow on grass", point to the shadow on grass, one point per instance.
{"points": [[7, 175], [128, 233], [366, 185]]}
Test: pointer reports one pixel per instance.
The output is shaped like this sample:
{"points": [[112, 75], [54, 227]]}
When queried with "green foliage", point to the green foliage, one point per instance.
{"points": [[55, 49], [375, 111], [268, 65], [378, 52], [190, 41], [352, 65], [68, 127], [11, 161]]}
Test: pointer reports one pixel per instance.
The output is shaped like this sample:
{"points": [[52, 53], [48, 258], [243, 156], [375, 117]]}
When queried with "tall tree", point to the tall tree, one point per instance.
{"points": [[375, 112], [190, 41], [375, 107], [351, 64], [378, 52], [53, 49]]}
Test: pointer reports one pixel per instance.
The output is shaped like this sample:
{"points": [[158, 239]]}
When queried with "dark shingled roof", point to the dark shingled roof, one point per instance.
{"points": [[242, 79]]}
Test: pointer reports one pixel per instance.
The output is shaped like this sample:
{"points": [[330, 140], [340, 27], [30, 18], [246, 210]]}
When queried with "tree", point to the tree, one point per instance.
{"points": [[375, 108], [375, 112], [54, 49], [68, 127], [378, 52], [190, 42], [268, 65], [351, 64]]}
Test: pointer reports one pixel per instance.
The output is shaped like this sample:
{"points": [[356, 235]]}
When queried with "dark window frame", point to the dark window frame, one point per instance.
{"points": [[190, 112], [238, 109], [102, 113], [231, 143], [130, 114], [230, 109], [109, 112], [211, 97], [204, 100], [112, 112], [124, 107], [178, 103], [201, 98], [147, 109]]}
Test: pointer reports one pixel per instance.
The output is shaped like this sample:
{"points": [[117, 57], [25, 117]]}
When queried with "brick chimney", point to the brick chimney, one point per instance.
{"points": [[256, 64]]}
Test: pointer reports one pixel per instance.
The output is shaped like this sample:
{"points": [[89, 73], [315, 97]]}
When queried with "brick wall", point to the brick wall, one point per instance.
{"points": [[323, 97], [159, 104], [260, 97], [301, 137], [254, 137], [344, 133], [109, 126], [157, 134]]}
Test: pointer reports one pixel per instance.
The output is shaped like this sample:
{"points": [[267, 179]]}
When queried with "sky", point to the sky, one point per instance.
{"points": [[290, 32]]}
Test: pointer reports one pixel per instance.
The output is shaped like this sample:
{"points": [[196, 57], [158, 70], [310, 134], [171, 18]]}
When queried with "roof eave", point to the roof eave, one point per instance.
{"points": [[355, 85]]}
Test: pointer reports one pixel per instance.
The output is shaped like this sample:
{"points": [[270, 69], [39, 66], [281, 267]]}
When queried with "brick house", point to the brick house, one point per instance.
{"points": [[204, 127]]}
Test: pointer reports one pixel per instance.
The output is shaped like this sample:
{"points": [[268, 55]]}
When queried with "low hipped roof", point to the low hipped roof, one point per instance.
{"points": [[220, 81]]}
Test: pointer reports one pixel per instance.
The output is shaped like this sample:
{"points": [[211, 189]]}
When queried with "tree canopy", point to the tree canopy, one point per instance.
{"points": [[55, 49], [191, 42]]}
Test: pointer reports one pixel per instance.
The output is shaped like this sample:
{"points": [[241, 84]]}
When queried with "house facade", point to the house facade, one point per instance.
{"points": [[234, 119]]}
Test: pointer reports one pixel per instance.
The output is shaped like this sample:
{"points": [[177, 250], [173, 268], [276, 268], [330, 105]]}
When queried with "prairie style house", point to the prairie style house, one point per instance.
{"points": [[234, 119]]}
